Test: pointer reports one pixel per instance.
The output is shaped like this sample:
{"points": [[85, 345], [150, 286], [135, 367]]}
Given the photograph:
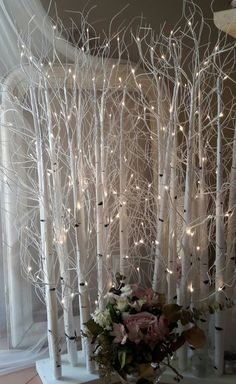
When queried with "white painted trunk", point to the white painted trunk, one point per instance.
{"points": [[159, 283], [123, 231], [46, 247], [185, 282], [220, 256], [172, 249], [61, 239], [99, 209], [231, 228]]}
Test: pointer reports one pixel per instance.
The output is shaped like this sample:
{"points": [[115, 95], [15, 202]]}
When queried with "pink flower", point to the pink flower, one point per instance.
{"points": [[137, 323], [119, 333], [159, 330], [146, 294]]}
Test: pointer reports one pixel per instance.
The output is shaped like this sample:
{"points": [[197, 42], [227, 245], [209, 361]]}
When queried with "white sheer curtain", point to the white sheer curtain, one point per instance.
{"points": [[23, 336]]}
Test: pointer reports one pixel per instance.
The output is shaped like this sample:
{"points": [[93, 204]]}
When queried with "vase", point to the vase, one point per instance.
{"points": [[135, 378]]}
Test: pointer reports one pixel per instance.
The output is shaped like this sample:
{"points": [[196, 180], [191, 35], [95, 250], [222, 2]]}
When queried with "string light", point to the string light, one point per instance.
{"points": [[190, 287]]}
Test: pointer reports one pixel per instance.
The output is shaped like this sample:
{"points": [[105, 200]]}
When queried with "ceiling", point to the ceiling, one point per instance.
{"points": [[155, 13]]}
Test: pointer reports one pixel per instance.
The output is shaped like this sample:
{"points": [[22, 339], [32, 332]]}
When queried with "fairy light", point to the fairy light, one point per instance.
{"points": [[62, 301], [169, 271], [141, 241], [156, 242], [72, 294], [54, 27], [108, 256], [188, 231], [198, 248], [78, 205], [190, 287], [29, 268], [137, 269]]}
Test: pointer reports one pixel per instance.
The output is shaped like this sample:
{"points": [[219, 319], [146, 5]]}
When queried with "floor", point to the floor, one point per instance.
{"points": [[25, 376]]}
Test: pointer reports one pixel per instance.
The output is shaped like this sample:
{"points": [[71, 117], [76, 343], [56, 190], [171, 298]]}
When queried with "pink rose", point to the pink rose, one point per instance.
{"points": [[146, 294], [159, 330], [137, 323]]}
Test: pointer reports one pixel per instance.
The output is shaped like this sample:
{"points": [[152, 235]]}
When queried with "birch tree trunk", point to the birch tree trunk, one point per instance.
{"points": [[159, 274], [80, 234], [185, 282], [220, 256], [46, 247], [123, 235], [60, 234], [99, 207], [231, 228], [172, 249]]}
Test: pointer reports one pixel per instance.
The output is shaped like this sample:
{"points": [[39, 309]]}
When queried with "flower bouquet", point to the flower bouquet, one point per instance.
{"points": [[137, 333]]}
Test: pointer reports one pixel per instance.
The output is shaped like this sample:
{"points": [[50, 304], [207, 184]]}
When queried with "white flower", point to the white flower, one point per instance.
{"points": [[138, 304], [102, 318], [122, 303], [126, 291]]}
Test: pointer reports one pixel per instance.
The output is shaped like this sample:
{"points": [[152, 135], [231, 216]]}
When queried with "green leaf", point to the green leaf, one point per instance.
{"points": [[114, 316], [93, 328], [195, 337], [172, 312], [186, 317], [122, 358]]}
